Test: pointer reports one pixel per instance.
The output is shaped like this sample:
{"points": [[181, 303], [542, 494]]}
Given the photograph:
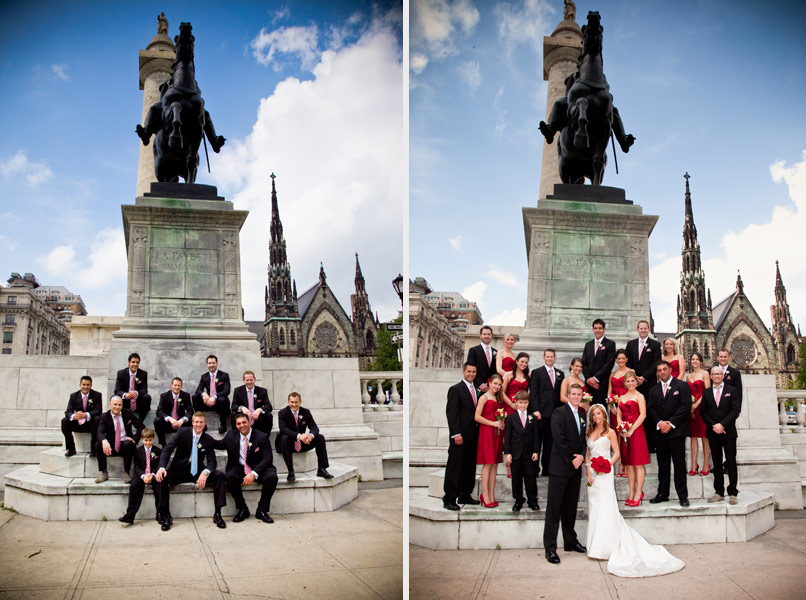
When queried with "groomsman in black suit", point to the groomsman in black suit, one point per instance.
{"points": [[598, 358], [565, 474], [460, 470], [299, 433], [249, 460], [668, 408], [214, 398], [83, 411], [194, 459], [483, 357], [132, 386], [544, 399], [721, 404], [174, 410], [521, 447], [732, 376], [146, 461], [643, 354], [253, 401], [117, 435]]}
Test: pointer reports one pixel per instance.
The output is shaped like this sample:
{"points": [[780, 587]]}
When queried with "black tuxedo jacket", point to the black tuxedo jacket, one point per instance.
{"points": [[461, 412], [734, 378], [477, 357], [184, 408], [239, 399], [599, 365], [725, 414], [646, 366], [140, 382], [285, 421], [520, 440], [542, 395], [675, 407], [566, 442], [258, 455], [131, 425], [95, 403], [222, 387], [179, 447], [140, 461]]}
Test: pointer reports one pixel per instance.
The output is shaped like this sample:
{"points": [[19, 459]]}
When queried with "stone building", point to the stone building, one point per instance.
{"points": [[29, 325], [62, 301], [733, 322], [313, 323], [433, 343], [460, 312]]}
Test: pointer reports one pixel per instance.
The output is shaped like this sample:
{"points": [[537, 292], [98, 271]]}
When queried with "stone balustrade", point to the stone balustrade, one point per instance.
{"points": [[790, 398], [377, 379]]}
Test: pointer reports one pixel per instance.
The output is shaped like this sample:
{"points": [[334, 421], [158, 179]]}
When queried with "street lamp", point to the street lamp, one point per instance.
{"points": [[397, 283]]}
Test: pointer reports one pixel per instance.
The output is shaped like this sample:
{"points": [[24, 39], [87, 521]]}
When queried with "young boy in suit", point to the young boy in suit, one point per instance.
{"points": [[521, 447], [146, 462]]}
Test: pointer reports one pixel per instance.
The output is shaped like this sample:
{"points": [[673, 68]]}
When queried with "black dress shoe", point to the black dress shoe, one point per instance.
{"points": [[70, 453], [685, 502], [242, 514], [576, 547], [219, 521], [263, 516], [658, 500], [469, 500], [535, 507], [324, 473], [553, 558], [167, 521], [291, 476], [450, 506], [158, 517], [517, 506], [127, 518]]}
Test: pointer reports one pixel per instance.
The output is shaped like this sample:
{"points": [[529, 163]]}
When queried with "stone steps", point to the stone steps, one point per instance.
{"points": [[476, 527]]}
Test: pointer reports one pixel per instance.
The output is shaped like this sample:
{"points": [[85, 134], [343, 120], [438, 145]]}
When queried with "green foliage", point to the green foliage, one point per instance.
{"points": [[800, 382], [387, 354]]}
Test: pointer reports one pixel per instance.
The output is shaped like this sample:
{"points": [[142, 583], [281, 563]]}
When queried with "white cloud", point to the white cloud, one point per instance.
{"points": [[19, 166], [59, 260], [470, 71], [435, 25], [418, 62], [475, 292], [336, 148], [753, 251], [60, 70], [456, 242], [515, 317], [302, 42], [527, 24], [503, 277]]}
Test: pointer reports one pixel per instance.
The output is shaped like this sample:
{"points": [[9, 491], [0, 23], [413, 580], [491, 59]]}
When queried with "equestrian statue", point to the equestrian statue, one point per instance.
{"points": [[585, 116], [179, 119]]}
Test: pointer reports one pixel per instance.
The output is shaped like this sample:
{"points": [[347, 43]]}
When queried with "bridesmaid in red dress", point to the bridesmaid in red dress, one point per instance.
{"points": [[677, 362], [574, 376], [490, 450], [616, 386], [505, 359], [516, 380], [634, 449], [698, 381]]}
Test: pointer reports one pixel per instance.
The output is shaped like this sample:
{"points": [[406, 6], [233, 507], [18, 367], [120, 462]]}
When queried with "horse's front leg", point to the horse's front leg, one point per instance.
{"points": [[175, 139], [581, 136]]}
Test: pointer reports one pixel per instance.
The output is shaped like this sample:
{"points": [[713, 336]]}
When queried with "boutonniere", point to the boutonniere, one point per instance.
{"points": [[137, 380], [250, 444], [216, 379], [153, 455], [198, 446], [530, 418]]}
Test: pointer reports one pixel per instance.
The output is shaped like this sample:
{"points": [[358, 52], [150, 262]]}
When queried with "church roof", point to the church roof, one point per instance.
{"points": [[721, 309], [304, 300]]}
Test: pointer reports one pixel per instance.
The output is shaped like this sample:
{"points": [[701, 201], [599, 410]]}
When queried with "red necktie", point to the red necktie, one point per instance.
{"points": [[244, 447], [174, 413], [297, 444], [132, 401], [489, 357], [117, 433], [148, 460], [718, 395]]}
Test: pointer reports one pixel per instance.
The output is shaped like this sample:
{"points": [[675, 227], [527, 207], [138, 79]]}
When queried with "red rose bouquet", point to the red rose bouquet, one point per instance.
{"points": [[623, 429], [600, 465], [612, 400]]}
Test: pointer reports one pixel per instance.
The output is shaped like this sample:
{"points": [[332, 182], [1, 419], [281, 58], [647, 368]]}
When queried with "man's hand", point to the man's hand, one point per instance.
{"points": [[245, 410], [249, 479], [665, 426], [534, 457], [210, 401], [80, 414], [147, 478], [257, 413], [130, 439], [483, 388], [160, 475], [458, 440], [641, 380], [578, 458], [718, 428], [306, 438], [508, 458], [175, 423], [107, 448], [538, 415], [201, 481], [592, 382]]}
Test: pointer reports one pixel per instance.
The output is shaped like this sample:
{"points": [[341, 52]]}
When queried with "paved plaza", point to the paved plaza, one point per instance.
{"points": [[770, 567], [355, 552]]}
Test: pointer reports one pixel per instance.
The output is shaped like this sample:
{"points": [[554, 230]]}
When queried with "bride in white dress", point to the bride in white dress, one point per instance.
{"points": [[609, 537]]}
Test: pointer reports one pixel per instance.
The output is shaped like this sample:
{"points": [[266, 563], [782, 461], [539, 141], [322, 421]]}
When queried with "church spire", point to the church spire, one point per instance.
{"points": [[781, 318]]}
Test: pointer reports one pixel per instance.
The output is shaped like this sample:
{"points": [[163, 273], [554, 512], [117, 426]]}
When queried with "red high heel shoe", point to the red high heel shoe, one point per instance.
{"points": [[638, 502], [694, 470], [481, 499], [705, 471], [629, 502]]}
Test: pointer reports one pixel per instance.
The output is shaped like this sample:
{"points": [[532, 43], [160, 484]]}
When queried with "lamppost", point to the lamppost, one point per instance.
{"points": [[397, 283]]}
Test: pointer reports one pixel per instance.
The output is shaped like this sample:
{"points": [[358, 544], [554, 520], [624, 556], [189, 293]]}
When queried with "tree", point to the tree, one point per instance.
{"points": [[387, 354], [800, 381]]}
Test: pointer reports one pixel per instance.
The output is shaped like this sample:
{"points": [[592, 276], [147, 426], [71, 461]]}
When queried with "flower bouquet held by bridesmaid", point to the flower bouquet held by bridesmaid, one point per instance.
{"points": [[491, 438], [698, 381]]}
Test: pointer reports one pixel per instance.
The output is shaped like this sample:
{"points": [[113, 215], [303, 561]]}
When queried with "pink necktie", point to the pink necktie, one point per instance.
{"points": [[596, 351], [551, 376], [251, 406], [297, 444], [212, 384], [473, 393], [132, 401], [489, 356], [148, 461], [641, 349], [174, 413], [523, 420], [117, 434], [244, 447], [84, 403], [718, 395]]}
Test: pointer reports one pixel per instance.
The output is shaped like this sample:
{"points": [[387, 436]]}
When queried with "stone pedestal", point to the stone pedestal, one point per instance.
{"points": [[588, 258]]}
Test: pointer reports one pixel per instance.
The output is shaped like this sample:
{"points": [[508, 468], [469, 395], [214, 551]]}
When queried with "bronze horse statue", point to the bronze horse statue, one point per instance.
{"points": [[179, 119], [585, 116]]}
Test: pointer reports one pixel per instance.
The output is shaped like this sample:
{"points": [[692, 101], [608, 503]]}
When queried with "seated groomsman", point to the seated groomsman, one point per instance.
{"points": [[598, 358], [731, 376], [194, 461], [249, 460], [146, 461], [294, 421], [132, 386], [173, 411], [213, 393], [720, 409], [483, 357], [83, 411], [252, 401], [118, 432]]}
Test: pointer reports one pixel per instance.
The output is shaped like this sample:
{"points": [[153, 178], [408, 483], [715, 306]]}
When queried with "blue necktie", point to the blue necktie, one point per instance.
{"points": [[194, 457]]}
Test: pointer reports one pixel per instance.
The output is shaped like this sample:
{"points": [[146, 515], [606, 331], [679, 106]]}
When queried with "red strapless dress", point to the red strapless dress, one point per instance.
{"points": [[674, 365], [695, 422], [514, 387], [617, 385], [635, 451], [490, 446], [507, 364]]}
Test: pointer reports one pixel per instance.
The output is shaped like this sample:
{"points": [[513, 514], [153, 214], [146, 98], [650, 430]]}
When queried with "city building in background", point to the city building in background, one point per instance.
{"points": [[433, 342], [29, 325], [460, 312]]}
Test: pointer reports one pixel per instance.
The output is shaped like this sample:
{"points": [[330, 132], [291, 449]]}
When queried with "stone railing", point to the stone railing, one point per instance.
{"points": [[375, 381], [790, 398]]}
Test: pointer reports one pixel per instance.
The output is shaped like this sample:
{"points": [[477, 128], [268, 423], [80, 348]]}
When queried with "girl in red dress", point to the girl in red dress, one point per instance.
{"points": [[516, 380], [677, 362], [505, 359], [634, 450], [490, 450], [574, 376], [616, 387], [698, 381]]}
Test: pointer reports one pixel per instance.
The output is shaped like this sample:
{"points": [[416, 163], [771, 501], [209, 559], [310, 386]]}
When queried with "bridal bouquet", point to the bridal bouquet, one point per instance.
{"points": [[600, 465], [500, 415]]}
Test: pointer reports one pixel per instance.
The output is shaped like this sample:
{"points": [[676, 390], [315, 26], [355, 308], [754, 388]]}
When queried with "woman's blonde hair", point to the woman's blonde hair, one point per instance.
{"points": [[592, 424], [674, 345], [630, 374]]}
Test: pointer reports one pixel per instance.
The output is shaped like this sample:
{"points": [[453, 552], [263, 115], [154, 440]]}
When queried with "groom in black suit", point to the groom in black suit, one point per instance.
{"points": [[565, 473], [460, 470], [483, 357], [544, 398], [598, 358], [668, 407]]}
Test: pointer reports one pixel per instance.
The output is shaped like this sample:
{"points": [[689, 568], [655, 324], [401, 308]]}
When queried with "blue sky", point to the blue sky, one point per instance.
{"points": [[713, 88], [313, 91]]}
